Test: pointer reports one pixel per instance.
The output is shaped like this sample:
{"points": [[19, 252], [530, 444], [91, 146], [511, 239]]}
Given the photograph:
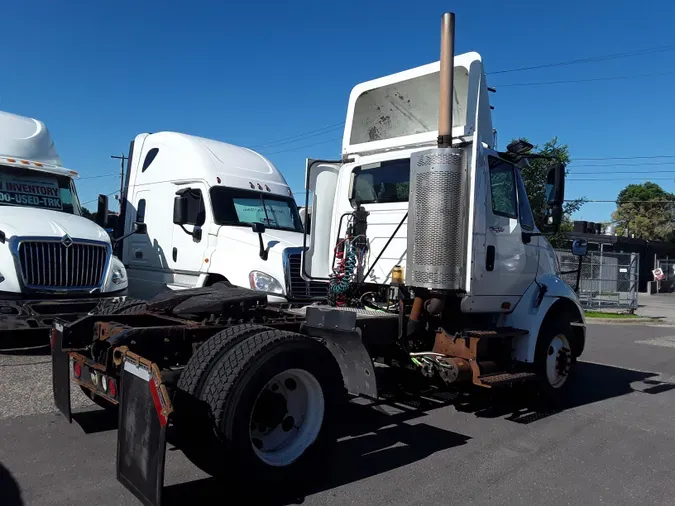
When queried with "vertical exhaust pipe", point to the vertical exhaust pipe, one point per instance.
{"points": [[447, 80]]}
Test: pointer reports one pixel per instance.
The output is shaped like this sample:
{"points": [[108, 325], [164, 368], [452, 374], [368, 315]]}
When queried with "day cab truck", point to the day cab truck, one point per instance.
{"points": [[435, 268], [53, 261], [214, 213]]}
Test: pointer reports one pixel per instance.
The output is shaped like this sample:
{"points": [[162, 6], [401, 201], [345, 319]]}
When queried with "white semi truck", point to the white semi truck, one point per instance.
{"points": [[436, 271], [214, 213], [53, 261]]}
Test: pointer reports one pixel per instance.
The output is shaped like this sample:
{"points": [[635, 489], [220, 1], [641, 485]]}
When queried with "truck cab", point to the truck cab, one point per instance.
{"points": [[52, 259], [497, 259], [214, 212]]}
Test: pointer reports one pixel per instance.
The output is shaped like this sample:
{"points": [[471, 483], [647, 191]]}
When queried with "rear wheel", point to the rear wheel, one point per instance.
{"points": [[193, 421], [275, 400]]}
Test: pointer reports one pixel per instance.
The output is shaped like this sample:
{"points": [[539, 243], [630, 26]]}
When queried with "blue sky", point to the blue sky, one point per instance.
{"points": [[98, 73]]}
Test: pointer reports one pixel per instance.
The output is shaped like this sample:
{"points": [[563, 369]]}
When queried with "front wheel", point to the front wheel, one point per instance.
{"points": [[276, 399], [554, 360]]}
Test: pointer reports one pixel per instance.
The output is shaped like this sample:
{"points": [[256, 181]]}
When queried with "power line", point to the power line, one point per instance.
{"points": [[592, 173], [593, 79], [590, 59], [613, 164], [97, 177], [624, 157], [92, 200], [302, 136], [305, 146], [672, 202], [639, 178]]}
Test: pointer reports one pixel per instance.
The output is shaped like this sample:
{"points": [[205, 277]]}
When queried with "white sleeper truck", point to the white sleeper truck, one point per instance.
{"points": [[53, 261], [437, 274], [215, 213]]}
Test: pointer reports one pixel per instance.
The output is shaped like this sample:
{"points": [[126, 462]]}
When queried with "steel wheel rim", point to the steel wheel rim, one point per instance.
{"points": [[558, 361], [287, 417]]}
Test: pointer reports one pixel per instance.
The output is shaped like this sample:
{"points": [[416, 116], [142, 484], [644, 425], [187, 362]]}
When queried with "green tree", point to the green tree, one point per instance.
{"points": [[534, 178], [635, 215], [88, 214]]}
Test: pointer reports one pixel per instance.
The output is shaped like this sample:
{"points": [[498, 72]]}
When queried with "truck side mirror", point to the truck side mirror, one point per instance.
{"points": [[555, 185], [258, 228], [102, 211], [180, 210], [579, 247]]}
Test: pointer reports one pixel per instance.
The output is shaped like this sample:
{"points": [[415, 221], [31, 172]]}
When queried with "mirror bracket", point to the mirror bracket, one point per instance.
{"points": [[196, 233], [259, 228]]}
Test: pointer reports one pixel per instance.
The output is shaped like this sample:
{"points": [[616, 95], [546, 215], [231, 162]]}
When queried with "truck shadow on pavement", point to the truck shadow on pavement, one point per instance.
{"points": [[10, 492], [378, 439], [372, 442], [592, 383]]}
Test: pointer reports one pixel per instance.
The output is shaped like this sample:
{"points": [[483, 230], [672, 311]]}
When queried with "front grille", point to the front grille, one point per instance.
{"points": [[298, 288], [52, 265]]}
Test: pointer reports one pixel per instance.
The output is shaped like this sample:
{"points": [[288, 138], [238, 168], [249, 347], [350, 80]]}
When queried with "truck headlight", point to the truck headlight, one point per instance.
{"points": [[264, 282], [119, 273]]}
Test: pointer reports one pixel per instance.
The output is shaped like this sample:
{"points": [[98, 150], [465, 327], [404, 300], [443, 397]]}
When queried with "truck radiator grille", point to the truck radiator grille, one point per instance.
{"points": [[52, 265], [298, 288]]}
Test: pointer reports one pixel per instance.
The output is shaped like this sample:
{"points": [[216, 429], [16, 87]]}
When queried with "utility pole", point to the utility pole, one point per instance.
{"points": [[122, 159]]}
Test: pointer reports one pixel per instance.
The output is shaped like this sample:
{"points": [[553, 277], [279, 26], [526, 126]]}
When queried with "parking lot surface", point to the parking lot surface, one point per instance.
{"points": [[612, 443]]}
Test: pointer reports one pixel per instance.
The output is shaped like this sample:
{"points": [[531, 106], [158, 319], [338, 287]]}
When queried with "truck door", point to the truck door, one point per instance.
{"points": [[146, 263], [186, 256], [511, 258]]}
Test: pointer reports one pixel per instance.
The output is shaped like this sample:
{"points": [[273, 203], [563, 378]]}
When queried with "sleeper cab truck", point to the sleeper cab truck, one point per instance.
{"points": [[214, 212]]}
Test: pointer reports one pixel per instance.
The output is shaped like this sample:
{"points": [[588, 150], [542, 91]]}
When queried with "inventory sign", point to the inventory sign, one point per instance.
{"points": [[30, 191]]}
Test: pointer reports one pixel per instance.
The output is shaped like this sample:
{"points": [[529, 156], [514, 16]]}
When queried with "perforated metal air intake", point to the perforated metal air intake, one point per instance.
{"points": [[437, 220]]}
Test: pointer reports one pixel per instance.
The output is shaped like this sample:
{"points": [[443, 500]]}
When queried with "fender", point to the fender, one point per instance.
{"points": [[559, 298]]}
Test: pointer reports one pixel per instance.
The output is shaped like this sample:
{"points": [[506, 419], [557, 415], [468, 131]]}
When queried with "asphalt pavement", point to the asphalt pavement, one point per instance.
{"points": [[612, 443]]}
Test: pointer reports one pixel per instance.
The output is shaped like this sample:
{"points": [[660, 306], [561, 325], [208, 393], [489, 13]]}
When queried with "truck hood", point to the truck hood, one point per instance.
{"points": [[27, 221], [275, 240]]}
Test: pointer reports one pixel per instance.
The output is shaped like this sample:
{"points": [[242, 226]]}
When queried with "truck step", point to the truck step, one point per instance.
{"points": [[506, 378], [499, 333]]}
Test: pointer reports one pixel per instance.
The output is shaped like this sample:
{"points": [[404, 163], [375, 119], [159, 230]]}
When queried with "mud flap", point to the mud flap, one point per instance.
{"points": [[60, 372], [338, 329], [141, 438]]}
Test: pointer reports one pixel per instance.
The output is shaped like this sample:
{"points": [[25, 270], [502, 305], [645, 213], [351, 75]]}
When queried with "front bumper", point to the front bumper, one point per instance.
{"points": [[25, 323]]}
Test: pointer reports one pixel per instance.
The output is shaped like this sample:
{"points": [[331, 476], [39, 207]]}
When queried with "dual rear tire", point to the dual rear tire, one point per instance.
{"points": [[259, 400]]}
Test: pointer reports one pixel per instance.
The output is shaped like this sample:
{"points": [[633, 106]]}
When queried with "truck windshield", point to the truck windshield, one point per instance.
{"points": [[31, 188], [232, 206]]}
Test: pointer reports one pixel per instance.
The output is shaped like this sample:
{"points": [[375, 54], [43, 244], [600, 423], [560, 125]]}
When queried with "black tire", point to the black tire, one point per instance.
{"points": [[233, 387], [550, 331], [192, 418], [201, 362]]}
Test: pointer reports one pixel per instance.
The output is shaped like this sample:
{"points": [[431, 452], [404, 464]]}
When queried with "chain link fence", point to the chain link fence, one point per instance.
{"points": [[608, 279]]}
